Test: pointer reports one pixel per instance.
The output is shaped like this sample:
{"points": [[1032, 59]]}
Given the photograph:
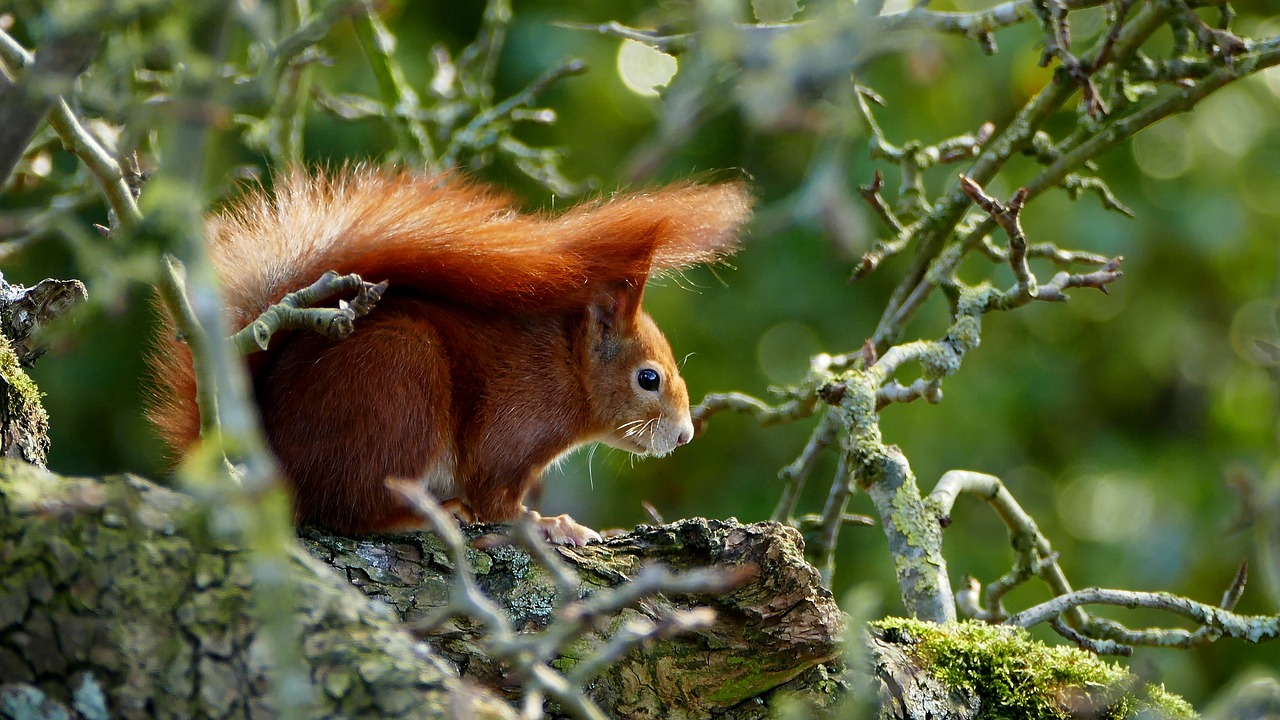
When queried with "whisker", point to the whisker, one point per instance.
{"points": [[591, 474]]}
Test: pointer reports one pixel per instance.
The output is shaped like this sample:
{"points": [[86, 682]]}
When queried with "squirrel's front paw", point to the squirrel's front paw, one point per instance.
{"points": [[563, 530]]}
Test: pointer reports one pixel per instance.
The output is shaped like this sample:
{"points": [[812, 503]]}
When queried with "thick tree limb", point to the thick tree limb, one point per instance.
{"points": [[112, 584]]}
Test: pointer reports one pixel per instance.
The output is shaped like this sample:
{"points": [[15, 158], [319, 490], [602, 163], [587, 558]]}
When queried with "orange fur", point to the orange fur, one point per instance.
{"points": [[505, 338]]}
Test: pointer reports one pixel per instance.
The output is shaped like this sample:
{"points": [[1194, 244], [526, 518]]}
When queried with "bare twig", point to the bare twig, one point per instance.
{"points": [[795, 474], [25, 103], [80, 142], [295, 312], [399, 99], [530, 654], [977, 25], [833, 518], [478, 134], [763, 412], [930, 264], [173, 291], [1033, 553], [1215, 621], [1009, 218], [1047, 251], [871, 193], [1213, 41]]}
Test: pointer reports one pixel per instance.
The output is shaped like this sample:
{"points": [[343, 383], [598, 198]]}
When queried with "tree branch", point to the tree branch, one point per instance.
{"points": [[25, 103]]}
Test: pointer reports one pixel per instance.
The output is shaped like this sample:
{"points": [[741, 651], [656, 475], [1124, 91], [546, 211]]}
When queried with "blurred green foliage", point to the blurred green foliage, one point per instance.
{"points": [[1123, 423]]}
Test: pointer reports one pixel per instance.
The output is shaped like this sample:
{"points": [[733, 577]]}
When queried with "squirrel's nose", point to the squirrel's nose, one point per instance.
{"points": [[686, 434]]}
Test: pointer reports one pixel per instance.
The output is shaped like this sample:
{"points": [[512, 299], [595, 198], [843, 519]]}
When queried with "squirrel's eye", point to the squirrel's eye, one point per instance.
{"points": [[649, 379]]}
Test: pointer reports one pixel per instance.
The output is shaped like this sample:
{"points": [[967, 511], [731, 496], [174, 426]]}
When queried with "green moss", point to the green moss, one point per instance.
{"points": [[26, 412], [13, 374], [752, 683], [1018, 677]]}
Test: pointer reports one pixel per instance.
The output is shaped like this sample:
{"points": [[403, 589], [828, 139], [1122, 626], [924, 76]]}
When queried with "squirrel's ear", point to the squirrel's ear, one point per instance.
{"points": [[612, 314], [616, 303]]}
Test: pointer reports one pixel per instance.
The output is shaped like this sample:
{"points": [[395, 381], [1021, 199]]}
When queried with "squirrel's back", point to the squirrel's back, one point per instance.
{"points": [[444, 238]]}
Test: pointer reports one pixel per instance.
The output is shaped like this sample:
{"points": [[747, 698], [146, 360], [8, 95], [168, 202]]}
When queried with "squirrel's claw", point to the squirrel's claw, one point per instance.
{"points": [[563, 530]]}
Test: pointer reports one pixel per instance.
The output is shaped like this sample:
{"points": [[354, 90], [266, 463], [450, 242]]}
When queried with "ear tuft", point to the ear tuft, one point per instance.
{"points": [[700, 223], [646, 233]]}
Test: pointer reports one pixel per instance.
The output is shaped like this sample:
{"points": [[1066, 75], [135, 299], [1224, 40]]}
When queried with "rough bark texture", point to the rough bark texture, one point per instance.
{"points": [[114, 604], [24, 425], [777, 626], [25, 311]]}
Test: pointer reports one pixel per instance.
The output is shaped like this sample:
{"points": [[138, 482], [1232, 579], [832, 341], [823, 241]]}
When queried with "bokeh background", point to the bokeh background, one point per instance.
{"points": [[1123, 423]]}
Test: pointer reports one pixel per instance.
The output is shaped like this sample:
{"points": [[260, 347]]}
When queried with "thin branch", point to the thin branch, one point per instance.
{"points": [[291, 91], [764, 413], [1266, 55], [1009, 218], [172, 286], [1047, 251], [399, 99], [971, 24], [478, 134], [1215, 621], [1031, 548], [894, 392], [1094, 645], [295, 312], [566, 580], [977, 25], [929, 264], [530, 654], [871, 193], [26, 102], [80, 142], [833, 518], [795, 474], [1213, 41], [673, 44]]}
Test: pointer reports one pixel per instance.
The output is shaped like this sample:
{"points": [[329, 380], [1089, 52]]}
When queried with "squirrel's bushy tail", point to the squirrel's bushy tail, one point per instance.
{"points": [[445, 238]]}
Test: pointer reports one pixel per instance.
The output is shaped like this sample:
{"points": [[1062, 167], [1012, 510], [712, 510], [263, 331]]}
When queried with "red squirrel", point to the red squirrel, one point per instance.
{"points": [[503, 341]]}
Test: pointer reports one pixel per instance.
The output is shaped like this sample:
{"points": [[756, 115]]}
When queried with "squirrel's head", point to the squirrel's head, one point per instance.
{"points": [[638, 399], [637, 396]]}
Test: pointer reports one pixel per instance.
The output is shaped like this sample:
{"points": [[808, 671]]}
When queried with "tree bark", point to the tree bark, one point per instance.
{"points": [[112, 597], [24, 425], [115, 603]]}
